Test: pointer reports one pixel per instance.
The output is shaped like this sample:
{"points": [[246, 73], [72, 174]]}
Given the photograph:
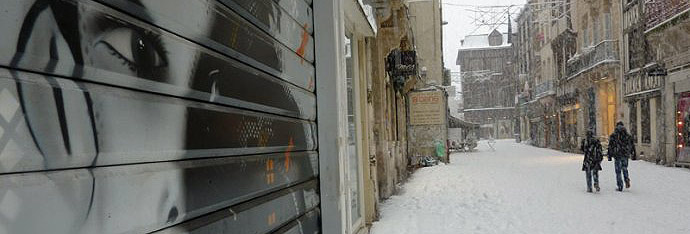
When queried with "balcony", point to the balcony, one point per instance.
{"points": [[643, 82], [545, 89], [602, 53]]}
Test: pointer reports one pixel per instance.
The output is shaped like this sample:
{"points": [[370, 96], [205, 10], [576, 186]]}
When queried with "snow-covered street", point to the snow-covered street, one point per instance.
{"points": [[522, 189]]}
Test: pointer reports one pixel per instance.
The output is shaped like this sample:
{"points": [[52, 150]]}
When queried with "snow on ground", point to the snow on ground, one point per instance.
{"points": [[523, 189]]}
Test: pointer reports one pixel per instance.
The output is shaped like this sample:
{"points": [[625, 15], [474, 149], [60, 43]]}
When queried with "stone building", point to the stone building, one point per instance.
{"points": [[425, 23], [424, 137], [663, 116], [564, 47], [525, 65], [589, 92], [372, 104], [545, 41], [550, 20], [643, 107], [375, 161], [387, 100], [488, 83]]}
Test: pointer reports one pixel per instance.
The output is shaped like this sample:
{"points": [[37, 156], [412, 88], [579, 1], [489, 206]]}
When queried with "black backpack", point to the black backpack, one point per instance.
{"points": [[593, 148], [597, 151], [622, 145], [629, 145]]}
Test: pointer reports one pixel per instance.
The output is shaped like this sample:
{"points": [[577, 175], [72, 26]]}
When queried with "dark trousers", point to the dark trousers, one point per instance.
{"points": [[621, 165], [592, 175]]}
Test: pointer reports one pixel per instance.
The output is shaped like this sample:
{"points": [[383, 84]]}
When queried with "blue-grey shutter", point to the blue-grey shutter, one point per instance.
{"points": [[157, 115]]}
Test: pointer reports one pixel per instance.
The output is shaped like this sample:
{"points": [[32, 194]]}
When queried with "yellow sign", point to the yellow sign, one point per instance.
{"points": [[427, 108]]}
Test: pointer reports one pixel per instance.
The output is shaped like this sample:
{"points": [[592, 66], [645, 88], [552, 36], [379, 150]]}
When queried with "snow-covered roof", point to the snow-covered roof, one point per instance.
{"points": [[490, 108], [481, 41]]}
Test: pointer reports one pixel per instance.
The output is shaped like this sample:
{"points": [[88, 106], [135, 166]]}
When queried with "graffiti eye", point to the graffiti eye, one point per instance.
{"points": [[139, 51]]}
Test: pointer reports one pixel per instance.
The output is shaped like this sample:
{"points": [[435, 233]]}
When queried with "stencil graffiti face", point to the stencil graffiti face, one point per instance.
{"points": [[101, 98]]}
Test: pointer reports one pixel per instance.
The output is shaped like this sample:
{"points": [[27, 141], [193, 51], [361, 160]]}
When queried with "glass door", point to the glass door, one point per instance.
{"points": [[683, 128], [354, 172]]}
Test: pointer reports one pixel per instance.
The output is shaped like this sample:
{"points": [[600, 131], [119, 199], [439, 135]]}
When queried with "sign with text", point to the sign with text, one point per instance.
{"points": [[427, 108]]}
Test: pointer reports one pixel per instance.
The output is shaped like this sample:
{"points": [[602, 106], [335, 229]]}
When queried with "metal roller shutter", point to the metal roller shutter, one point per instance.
{"points": [[134, 116]]}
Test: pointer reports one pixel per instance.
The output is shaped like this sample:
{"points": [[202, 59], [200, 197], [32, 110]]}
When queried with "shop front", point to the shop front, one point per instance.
{"points": [[606, 108], [568, 121], [550, 121], [644, 111], [683, 128]]}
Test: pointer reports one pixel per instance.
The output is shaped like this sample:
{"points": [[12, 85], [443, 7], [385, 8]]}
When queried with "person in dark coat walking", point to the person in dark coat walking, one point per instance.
{"points": [[621, 148], [591, 164]]}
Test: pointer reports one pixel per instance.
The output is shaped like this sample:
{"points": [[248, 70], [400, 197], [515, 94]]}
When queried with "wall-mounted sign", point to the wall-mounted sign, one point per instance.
{"points": [[658, 71], [427, 108], [401, 63]]}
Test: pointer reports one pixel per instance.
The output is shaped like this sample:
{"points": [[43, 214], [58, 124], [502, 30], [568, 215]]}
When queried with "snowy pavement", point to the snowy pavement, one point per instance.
{"points": [[523, 189]]}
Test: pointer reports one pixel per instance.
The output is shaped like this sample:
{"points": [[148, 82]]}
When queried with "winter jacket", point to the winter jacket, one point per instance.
{"points": [[593, 156], [621, 145]]}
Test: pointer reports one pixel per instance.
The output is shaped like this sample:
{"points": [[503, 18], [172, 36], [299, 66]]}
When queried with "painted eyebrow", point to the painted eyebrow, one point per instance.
{"points": [[141, 9]]}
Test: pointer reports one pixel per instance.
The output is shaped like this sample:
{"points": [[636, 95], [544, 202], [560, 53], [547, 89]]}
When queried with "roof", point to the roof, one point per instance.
{"points": [[459, 123], [481, 41]]}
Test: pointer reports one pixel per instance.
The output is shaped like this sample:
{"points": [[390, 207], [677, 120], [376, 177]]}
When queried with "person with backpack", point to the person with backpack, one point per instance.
{"points": [[591, 164], [621, 148]]}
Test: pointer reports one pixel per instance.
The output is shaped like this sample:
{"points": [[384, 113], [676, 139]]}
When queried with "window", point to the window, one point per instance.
{"points": [[353, 156], [476, 64], [607, 26], [645, 122], [595, 32], [633, 120], [592, 113], [628, 52]]}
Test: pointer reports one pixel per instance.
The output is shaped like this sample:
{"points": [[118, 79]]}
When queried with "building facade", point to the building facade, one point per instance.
{"points": [[642, 100], [489, 83], [660, 93], [388, 99], [524, 66], [545, 42], [425, 23], [589, 93], [550, 21], [426, 137], [609, 61]]}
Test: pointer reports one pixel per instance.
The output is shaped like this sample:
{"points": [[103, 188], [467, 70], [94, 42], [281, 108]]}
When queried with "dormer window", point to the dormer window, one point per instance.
{"points": [[495, 38]]}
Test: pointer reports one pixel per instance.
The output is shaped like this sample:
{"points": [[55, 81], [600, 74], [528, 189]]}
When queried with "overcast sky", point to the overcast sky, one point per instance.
{"points": [[460, 24]]}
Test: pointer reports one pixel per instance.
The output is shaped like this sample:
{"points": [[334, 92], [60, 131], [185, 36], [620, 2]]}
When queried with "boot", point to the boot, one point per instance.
{"points": [[627, 183], [596, 186], [589, 190]]}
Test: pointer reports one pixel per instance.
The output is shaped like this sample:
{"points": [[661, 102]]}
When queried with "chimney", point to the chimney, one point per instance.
{"points": [[510, 28]]}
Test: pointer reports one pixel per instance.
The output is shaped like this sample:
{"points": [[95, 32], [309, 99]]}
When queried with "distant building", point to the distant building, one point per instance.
{"points": [[488, 83]]}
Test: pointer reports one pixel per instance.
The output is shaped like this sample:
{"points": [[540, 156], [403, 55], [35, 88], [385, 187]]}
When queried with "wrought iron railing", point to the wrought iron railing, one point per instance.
{"points": [[545, 89], [605, 51], [642, 82]]}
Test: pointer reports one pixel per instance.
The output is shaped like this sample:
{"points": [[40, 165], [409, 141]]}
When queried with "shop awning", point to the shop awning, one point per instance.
{"points": [[454, 122]]}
